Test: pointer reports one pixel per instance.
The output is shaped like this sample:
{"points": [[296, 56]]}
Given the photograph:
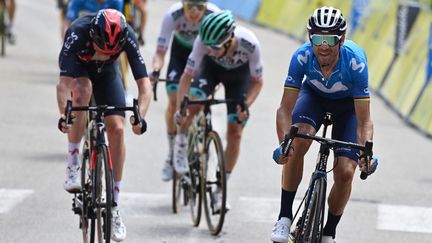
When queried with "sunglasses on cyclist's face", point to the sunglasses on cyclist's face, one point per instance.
{"points": [[189, 5], [330, 40], [217, 47]]}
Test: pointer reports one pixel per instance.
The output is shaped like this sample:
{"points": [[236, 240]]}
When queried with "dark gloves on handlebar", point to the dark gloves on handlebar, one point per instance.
{"points": [[373, 163], [142, 124], [64, 126]]}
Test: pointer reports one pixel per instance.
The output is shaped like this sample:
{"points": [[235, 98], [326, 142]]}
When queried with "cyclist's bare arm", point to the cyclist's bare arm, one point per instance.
{"points": [[364, 122], [254, 90], [364, 130], [184, 86], [283, 114], [145, 95], [159, 59], [64, 89]]}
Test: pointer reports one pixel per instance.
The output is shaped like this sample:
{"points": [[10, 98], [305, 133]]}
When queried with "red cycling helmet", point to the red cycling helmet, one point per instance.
{"points": [[108, 31]]}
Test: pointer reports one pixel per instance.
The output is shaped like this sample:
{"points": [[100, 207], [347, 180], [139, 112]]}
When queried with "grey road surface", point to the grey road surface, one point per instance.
{"points": [[394, 205]]}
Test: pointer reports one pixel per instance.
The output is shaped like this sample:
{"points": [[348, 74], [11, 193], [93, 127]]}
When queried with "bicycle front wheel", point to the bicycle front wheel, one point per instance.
{"points": [[176, 192], [102, 195], [85, 192], [313, 215], [194, 185], [214, 187]]}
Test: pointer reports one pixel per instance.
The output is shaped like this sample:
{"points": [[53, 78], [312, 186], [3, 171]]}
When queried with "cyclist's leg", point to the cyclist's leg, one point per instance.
{"points": [[344, 129], [178, 58], [236, 83], [108, 90], [201, 86], [307, 115], [80, 96]]}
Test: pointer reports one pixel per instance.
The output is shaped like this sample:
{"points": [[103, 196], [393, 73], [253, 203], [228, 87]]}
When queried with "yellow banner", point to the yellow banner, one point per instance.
{"points": [[376, 34], [408, 74]]}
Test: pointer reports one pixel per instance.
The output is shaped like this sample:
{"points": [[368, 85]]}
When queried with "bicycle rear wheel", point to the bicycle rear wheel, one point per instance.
{"points": [[214, 182], [310, 228], [194, 187], [102, 194]]}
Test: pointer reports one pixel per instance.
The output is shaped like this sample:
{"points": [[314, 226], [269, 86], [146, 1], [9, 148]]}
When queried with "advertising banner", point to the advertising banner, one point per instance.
{"points": [[406, 15]]}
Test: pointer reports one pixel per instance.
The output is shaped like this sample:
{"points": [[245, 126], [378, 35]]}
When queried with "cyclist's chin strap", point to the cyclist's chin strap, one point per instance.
{"points": [[227, 45]]}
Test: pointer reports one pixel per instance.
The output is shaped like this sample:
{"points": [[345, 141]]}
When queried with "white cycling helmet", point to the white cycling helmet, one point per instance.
{"points": [[327, 20]]}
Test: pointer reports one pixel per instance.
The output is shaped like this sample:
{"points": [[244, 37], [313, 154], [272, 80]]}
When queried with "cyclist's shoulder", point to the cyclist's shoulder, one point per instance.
{"points": [[175, 11], [81, 24], [303, 54], [353, 56], [247, 38], [352, 49]]}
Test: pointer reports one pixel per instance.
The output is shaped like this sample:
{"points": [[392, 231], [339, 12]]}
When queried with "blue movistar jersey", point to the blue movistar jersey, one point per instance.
{"points": [[348, 79], [78, 7]]}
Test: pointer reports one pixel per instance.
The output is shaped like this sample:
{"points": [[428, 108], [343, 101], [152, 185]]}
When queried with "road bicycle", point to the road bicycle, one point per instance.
{"points": [[93, 203], [309, 227], [206, 176]]}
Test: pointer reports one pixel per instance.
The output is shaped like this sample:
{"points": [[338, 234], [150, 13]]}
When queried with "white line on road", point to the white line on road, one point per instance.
{"points": [[264, 210], [404, 218], [9, 198]]}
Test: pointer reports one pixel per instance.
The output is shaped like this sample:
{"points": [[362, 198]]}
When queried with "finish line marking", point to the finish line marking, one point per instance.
{"points": [[9, 198]]}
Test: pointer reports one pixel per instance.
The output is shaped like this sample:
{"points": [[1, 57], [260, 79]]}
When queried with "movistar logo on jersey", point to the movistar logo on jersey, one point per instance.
{"points": [[336, 87], [354, 65], [303, 59]]}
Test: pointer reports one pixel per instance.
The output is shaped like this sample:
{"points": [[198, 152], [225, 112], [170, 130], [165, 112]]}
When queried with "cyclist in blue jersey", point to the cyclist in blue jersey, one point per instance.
{"points": [[91, 46], [326, 74], [77, 8]]}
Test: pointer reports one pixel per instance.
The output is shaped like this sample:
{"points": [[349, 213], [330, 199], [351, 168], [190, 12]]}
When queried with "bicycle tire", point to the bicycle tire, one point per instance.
{"points": [[85, 192], [102, 194], [214, 178], [319, 210], [176, 192], [194, 188], [313, 214]]}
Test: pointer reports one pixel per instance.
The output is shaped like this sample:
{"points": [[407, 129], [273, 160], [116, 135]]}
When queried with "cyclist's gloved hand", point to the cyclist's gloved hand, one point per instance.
{"points": [[138, 127], [373, 164], [62, 124], [141, 39], [178, 118], [242, 114], [154, 76], [278, 156]]}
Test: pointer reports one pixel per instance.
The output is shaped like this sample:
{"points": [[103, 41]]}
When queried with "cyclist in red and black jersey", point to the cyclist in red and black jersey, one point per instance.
{"points": [[91, 45]]}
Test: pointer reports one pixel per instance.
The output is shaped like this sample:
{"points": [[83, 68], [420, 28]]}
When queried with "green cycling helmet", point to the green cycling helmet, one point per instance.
{"points": [[216, 28]]}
